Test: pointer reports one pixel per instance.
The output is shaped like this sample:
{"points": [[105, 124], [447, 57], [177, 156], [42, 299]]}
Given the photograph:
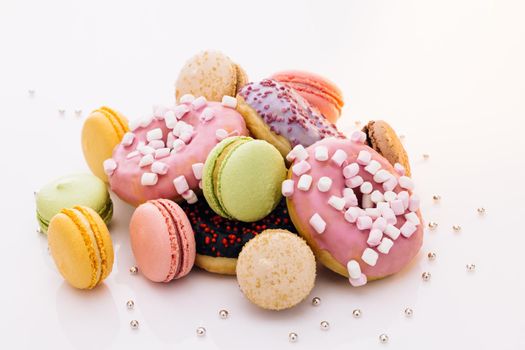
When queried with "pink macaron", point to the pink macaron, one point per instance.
{"points": [[162, 240], [317, 90]]}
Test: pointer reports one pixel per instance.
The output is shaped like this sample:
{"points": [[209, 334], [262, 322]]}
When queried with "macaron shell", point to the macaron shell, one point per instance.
{"points": [[242, 77], [101, 132]]}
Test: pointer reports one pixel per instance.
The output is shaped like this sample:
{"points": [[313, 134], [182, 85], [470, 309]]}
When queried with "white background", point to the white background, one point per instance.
{"points": [[447, 74]]}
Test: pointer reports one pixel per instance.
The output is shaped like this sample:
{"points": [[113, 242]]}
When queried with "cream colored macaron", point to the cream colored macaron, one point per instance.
{"points": [[276, 270]]}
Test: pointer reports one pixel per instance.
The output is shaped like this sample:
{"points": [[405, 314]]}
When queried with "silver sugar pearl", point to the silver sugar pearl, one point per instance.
{"points": [[293, 337], [436, 197], [426, 276], [357, 122], [356, 313], [78, 112], [133, 270], [409, 312], [134, 324], [471, 267], [316, 301], [39, 230], [130, 304], [223, 314], [456, 228], [61, 111], [426, 156], [325, 325], [432, 225], [383, 338], [431, 256], [481, 210], [201, 331], [31, 92], [402, 137]]}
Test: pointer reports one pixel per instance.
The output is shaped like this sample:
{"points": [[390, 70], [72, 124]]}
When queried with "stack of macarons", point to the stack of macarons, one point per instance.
{"points": [[241, 178]]}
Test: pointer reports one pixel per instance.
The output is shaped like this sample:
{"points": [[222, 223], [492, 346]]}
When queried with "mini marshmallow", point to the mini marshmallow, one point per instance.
{"points": [[159, 168], [169, 140], [354, 270], [287, 188], [390, 196], [339, 157], [408, 229], [177, 145], [374, 213], [350, 170], [389, 216], [229, 101], [146, 160], [190, 197], [413, 204], [374, 237], [154, 134], [186, 136], [373, 167], [297, 153], [170, 120], [364, 157], [380, 223], [181, 185], [305, 181], [180, 111], [134, 124], [352, 214], [358, 137], [132, 154], [300, 168], [321, 153], [385, 245], [159, 112], [127, 139], [182, 127], [350, 197], [400, 169], [146, 121], [382, 206], [207, 114], [404, 197], [318, 223], [413, 218], [397, 206], [354, 182], [358, 282], [392, 231], [221, 134], [406, 182], [364, 222], [149, 179], [366, 201], [197, 170], [337, 203], [109, 166], [366, 187], [324, 184], [156, 144], [382, 176], [199, 102], [390, 184], [147, 150], [377, 196], [370, 256], [186, 98], [161, 153]]}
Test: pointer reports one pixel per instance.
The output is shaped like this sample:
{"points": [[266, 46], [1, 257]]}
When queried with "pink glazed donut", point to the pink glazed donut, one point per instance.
{"points": [[355, 209], [163, 155]]}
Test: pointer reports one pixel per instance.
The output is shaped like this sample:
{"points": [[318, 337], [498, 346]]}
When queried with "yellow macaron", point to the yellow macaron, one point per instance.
{"points": [[102, 131], [81, 247]]}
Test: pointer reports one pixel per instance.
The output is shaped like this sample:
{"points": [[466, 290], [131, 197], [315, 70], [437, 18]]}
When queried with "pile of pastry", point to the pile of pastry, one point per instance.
{"points": [[238, 177]]}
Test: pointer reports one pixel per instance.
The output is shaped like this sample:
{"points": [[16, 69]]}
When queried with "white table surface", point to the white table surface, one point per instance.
{"points": [[447, 74]]}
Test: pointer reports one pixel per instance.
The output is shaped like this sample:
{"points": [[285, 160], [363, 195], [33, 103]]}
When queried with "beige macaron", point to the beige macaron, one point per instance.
{"points": [[276, 270], [211, 74], [382, 138]]}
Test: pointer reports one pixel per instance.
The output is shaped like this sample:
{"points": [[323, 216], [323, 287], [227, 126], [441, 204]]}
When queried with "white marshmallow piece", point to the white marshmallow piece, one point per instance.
{"points": [[109, 166], [404, 197], [190, 197], [170, 120], [339, 157], [366, 201], [352, 214], [374, 237], [149, 179], [156, 144], [380, 223], [180, 111], [350, 197], [373, 167], [382, 206], [159, 168], [147, 150], [221, 134], [408, 229], [382, 176], [385, 246], [366, 187], [397, 206], [181, 185], [187, 98], [146, 121], [413, 218], [229, 101], [358, 136], [324, 184], [354, 270], [390, 184], [370, 256], [177, 145], [413, 204], [337, 203], [377, 197], [321, 153], [300, 168], [132, 154], [162, 153], [392, 231], [146, 160], [207, 114], [350, 170], [199, 102], [127, 139], [364, 157], [389, 196], [305, 181], [358, 282], [287, 188], [354, 182], [134, 124], [400, 169], [197, 170], [159, 112], [374, 213], [406, 182], [364, 222], [389, 216], [297, 153], [318, 224]]}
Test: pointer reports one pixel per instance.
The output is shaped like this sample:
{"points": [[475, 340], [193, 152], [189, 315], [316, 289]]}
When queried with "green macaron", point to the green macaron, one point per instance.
{"points": [[69, 191], [242, 178]]}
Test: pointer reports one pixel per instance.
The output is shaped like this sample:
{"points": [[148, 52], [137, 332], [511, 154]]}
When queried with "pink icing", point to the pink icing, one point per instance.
{"points": [[342, 239], [125, 180]]}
